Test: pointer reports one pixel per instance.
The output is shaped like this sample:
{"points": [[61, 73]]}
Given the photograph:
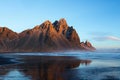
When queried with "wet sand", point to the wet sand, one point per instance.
{"points": [[40, 67], [60, 67], [5, 60]]}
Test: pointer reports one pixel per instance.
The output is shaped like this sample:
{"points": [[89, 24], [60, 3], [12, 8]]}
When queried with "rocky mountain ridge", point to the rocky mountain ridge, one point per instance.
{"points": [[46, 37]]}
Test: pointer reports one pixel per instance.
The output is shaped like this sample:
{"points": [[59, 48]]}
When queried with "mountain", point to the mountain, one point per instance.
{"points": [[46, 37], [7, 39]]}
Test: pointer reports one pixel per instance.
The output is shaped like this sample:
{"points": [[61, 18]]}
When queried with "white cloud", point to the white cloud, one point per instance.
{"points": [[104, 38], [113, 38]]}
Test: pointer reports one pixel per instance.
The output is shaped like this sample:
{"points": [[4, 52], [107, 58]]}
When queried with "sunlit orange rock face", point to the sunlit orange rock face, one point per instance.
{"points": [[7, 34], [48, 36], [7, 39]]}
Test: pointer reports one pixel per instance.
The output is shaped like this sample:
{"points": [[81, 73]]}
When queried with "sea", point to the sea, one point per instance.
{"points": [[69, 65]]}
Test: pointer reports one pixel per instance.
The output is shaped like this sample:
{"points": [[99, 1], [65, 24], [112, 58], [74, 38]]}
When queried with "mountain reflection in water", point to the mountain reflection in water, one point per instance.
{"points": [[41, 68]]}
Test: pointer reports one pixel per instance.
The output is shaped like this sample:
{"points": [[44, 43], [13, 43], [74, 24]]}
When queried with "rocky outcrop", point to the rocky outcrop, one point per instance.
{"points": [[87, 45], [45, 37]]}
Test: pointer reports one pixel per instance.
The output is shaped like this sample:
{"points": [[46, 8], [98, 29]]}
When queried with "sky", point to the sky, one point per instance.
{"points": [[97, 21]]}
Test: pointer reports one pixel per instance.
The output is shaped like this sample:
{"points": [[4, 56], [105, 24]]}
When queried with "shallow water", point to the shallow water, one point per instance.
{"points": [[61, 66]]}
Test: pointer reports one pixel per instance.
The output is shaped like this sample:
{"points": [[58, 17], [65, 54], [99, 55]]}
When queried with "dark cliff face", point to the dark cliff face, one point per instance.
{"points": [[68, 32], [45, 37]]}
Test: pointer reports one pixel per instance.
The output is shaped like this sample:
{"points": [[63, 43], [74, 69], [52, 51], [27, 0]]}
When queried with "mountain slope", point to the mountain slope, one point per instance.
{"points": [[7, 39]]}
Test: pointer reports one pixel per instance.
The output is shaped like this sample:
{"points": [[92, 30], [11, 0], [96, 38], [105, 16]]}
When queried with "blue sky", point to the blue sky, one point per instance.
{"points": [[95, 20]]}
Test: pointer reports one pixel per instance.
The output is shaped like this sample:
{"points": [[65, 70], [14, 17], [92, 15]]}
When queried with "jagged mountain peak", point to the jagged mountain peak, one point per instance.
{"points": [[45, 25], [47, 22], [61, 26], [88, 43], [62, 21]]}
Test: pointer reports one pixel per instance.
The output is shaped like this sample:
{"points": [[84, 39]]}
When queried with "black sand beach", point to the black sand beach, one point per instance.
{"points": [[62, 66]]}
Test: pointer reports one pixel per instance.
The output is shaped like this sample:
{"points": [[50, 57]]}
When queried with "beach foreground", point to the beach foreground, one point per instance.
{"points": [[60, 66]]}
